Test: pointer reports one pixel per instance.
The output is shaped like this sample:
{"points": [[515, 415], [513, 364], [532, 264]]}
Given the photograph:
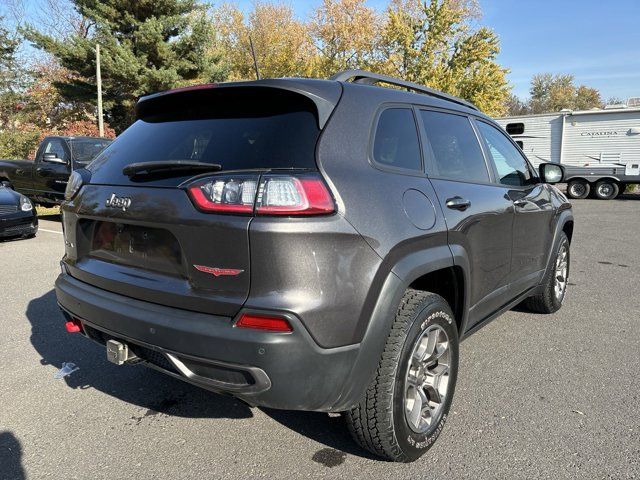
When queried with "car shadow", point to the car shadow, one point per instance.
{"points": [[135, 384], [159, 393], [327, 430], [11, 457], [53, 217], [14, 239], [629, 196]]}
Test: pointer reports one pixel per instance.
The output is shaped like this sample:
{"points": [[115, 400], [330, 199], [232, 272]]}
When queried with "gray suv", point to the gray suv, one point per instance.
{"points": [[313, 245]]}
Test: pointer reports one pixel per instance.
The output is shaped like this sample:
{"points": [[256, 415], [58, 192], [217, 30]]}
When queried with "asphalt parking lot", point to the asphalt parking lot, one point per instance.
{"points": [[538, 396]]}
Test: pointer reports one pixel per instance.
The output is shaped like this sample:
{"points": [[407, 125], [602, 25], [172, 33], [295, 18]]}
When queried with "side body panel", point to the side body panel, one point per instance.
{"points": [[482, 233], [382, 205], [19, 173], [50, 179], [533, 230]]}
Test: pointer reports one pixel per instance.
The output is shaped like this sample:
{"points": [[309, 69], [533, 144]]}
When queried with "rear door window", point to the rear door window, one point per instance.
{"points": [[454, 147], [396, 143], [511, 167]]}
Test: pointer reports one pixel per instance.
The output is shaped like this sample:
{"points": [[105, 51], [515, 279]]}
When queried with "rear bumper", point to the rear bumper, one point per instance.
{"points": [[277, 370]]}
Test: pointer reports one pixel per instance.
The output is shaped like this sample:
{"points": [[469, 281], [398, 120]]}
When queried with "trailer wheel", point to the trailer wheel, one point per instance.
{"points": [[606, 190], [578, 189], [622, 187]]}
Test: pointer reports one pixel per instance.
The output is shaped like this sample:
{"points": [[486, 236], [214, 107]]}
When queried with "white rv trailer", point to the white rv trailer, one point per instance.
{"points": [[600, 149]]}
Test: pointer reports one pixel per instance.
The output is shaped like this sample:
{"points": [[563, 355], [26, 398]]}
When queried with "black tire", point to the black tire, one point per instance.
{"points": [[548, 300], [578, 189], [621, 189], [379, 422], [606, 190]]}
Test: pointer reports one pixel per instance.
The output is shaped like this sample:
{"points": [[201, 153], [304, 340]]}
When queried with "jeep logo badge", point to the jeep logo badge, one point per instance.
{"points": [[118, 202]]}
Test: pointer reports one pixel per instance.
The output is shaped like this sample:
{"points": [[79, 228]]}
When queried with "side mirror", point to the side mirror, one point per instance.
{"points": [[53, 158], [551, 172]]}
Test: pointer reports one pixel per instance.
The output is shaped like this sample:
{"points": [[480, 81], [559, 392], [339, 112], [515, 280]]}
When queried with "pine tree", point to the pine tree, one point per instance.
{"points": [[146, 46], [11, 75]]}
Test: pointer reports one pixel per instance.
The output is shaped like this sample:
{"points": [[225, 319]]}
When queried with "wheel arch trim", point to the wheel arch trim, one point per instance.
{"points": [[399, 277], [564, 218]]}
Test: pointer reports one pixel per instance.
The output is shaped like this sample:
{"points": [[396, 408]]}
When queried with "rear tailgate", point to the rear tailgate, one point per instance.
{"points": [[150, 251], [141, 236]]}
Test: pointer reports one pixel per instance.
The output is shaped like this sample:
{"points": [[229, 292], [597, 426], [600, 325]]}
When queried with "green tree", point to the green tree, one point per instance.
{"points": [[346, 35], [434, 43], [515, 107], [552, 93], [616, 101], [281, 42], [15, 140], [587, 98], [146, 46], [11, 77]]}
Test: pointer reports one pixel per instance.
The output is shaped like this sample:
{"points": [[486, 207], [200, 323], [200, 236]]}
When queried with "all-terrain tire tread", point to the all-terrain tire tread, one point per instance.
{"points": [[371, 421]]}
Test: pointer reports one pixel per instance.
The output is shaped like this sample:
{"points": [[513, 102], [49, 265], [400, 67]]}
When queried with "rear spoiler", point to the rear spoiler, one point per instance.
{"points": [[325, 94]]}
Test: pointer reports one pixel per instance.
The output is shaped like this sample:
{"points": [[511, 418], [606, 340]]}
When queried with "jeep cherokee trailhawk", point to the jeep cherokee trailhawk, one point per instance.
{"points": [[312, 245]]}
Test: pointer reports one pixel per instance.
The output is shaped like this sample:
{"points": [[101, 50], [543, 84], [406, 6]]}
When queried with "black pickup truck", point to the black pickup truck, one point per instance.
{"points": [[44, 179]]}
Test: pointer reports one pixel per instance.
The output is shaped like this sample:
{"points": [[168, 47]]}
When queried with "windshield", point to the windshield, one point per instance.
{"points": [[86, 149], [263, 133]]}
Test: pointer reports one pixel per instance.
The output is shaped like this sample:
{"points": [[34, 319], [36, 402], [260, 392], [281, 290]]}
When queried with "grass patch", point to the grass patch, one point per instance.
{"points": [[47, 212]]}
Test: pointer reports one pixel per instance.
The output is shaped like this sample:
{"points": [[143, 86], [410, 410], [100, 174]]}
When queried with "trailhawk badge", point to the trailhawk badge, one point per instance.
{"points": [[219, 272], [118, 202]]}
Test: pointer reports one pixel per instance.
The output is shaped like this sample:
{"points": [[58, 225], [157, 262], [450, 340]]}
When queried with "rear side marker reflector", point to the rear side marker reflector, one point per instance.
{"points": [[260, 322], [219, 272], [73, 326]]}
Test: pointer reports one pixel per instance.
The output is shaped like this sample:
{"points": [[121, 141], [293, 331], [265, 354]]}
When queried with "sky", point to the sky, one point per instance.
{"points": [[597, 41]]}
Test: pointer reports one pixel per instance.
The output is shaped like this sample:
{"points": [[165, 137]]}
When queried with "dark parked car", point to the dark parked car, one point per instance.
{"points": [[44, 179], [313, 245], [17, 216]]}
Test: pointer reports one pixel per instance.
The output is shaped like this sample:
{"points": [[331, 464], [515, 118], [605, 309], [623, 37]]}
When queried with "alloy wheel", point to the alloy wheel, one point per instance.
{"points": [[562, 269], [427, 379]]}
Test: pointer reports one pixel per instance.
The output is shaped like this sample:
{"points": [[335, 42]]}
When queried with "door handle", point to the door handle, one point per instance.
{"points": [[458, 203], [521, 202]]}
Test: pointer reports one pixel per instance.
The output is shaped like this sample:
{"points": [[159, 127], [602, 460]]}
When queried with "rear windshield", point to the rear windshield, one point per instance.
{"points": [[278, 130], [83, 150]]}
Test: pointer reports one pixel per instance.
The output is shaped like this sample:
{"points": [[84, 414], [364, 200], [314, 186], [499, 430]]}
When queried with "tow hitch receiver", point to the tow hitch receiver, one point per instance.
{"points": [[118, 352]]}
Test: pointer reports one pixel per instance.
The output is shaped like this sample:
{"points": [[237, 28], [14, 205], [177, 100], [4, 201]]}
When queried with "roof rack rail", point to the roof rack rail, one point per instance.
{"points": [[369, 78]]}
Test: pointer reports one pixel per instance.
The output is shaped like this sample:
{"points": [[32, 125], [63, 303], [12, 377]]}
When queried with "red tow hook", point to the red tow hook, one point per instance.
{"points": [[73, 326]]}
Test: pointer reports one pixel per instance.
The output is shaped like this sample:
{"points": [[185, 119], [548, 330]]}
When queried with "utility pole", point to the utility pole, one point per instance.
{"points": [[99, 82]]}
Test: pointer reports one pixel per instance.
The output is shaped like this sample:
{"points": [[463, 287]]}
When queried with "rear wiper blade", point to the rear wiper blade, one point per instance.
{"points": [[178, 166]]}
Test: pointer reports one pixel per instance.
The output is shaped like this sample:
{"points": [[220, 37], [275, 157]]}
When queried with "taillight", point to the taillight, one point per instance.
{"points": [[271, 194], [225, 193], [263, 322], [288, 195]]}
